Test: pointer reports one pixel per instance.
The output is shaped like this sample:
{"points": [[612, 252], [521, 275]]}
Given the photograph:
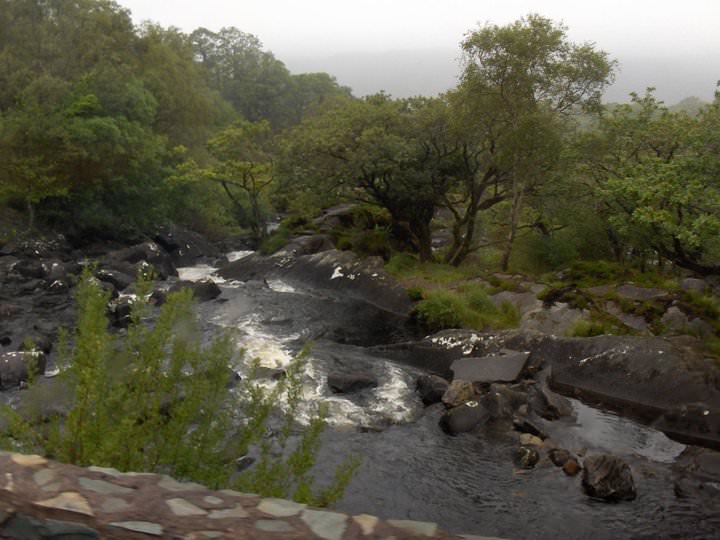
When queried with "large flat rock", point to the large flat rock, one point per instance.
{"points": [[506, 367]]}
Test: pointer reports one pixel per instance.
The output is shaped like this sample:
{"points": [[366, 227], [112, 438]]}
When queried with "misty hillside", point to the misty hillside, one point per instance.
{"points": [[429, 72]]}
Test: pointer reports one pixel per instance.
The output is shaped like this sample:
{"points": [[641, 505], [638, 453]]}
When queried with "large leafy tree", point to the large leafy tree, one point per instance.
{"points": [[519, 82], [375, 150], [657, 176]]}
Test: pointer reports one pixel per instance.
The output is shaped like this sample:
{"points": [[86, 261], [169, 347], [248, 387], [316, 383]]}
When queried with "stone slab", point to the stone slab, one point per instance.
{"points": [[488, 369]]}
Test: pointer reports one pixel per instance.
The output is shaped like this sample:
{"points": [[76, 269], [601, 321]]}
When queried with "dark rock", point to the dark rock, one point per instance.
{"points": [[31, 268], [431, 388], [559, 456], [24, 527], [203, 291], [158, 297], [526, 457], [185, 247], [148, 253], [270, 373], [691, 423], [457, 393], [696, 473], [119, 280], [121, 310], [5, 341], [503, 368], [244, 462], [501, 401], [463, 418], [14, 367], [308, 245], [524, 425], [37, 342], [608, 478], [549, 405], [341, 383]]}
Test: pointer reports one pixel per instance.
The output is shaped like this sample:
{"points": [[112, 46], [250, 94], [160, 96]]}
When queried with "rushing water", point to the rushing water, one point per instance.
{"points": [[411, 470]]}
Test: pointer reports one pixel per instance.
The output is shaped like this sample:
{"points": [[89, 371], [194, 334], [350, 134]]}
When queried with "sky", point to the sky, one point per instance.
{"points": [[412, 45]]}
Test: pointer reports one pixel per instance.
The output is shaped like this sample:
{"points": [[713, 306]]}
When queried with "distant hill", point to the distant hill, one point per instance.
{"points": [[429, 72]]}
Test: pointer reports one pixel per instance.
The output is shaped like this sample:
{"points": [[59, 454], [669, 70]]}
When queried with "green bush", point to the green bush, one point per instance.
{"points": [[277, 240], [155, 400], [468, 307]]}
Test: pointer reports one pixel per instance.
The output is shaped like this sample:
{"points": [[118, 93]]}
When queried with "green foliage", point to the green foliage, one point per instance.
{"points": [[591, 328], [405, 266], [277, 240], [467, 307], [157, 401]]}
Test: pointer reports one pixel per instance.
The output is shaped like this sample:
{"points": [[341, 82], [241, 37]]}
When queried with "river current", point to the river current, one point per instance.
{"points": [[412, 470]]}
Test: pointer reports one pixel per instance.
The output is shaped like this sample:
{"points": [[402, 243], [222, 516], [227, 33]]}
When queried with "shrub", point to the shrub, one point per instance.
{"points": [[277, 240], [156, 400]]}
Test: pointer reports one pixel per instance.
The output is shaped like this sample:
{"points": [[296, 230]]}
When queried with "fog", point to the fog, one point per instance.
{"points": [[411, 47]]}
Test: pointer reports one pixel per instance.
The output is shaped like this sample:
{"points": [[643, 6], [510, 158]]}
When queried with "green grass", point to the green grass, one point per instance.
{"points": [[467, 307], [406, 266], [277, 240]]}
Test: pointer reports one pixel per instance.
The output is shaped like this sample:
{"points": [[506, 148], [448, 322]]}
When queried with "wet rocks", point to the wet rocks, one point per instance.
{"points": [[505, 367], [431, 388], [463, 418], [15, 367], [559, 456], [457, 393], [609, 478], [203, 291], [526, 457], [341, 383], [571, 467]]}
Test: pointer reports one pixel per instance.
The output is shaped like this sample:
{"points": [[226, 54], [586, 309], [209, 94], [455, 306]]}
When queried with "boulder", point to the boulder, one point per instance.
{"points": [[308, 245], [696, 473], [185, 247], [641, 294], [463, 418], [556, 320], [431, 388], [693, 284], [525, 425], [501, 401], [609, 478], [549, 405], [119, 280], [457, 393], [506, 367], [571, 467], [342, 383], [674, 319], [147, 253], [203, 291], [15, 366]]}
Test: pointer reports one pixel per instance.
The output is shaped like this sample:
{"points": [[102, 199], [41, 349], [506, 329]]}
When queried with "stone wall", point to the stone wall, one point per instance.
{"points": [[42, 499]]}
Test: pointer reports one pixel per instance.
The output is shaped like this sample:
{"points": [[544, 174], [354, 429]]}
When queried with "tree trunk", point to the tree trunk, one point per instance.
{"points": [[423, 238], [31, 215]]}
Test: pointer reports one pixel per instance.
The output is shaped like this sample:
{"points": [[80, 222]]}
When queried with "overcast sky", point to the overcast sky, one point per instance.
{"points": [[310, 34]]}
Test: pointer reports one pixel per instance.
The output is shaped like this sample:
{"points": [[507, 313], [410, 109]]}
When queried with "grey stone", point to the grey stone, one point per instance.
{"points": [[237, 512], [489, 369], [212, 500], [367, 523], [14, 367], [146, 527], [181, 507], [632, 292], [458, 392], [101, 486], [417, 527], [28, 460], [431, 388], [558, 320], [524, 302], [463, 418], [674, 319], [273, 525], [693, 284], [526, 457], [173, 485], [701, 328], [280, 507], [43, 476], [112, 505], [327, 525]]}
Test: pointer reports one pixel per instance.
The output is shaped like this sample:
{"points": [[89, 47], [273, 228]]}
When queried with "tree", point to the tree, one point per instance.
{"points": [[375, 150], [519, 81], [243, 153], [656, 173]]}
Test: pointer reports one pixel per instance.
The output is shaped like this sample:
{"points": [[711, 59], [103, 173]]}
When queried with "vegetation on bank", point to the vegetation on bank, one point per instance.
{"points": [[155, 400]]}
